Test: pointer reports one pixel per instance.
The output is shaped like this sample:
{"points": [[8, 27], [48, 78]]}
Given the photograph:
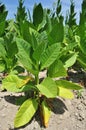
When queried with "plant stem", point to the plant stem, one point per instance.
{"points": [[37, 78]]}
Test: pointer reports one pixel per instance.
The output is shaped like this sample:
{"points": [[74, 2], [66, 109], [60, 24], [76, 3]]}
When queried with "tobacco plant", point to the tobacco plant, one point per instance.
{"points": [[38, 52]]}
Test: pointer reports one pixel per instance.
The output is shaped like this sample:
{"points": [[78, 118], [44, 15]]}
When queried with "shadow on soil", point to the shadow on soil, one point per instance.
{"points": [[57, 107]]}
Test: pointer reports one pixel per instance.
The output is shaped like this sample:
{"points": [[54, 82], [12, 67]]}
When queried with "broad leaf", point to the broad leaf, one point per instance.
{"points": [[26, 112], [39, 51], [37, 14], [68, 85], [10, 45], [71, 60], [65, 93], [23, 54], [48, 88], [13, 83], [46, 112], [57, 32], [50, 55], [57, 70]]}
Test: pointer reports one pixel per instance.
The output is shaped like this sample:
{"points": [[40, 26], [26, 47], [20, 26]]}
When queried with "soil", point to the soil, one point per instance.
{"points": [[66, 114]]}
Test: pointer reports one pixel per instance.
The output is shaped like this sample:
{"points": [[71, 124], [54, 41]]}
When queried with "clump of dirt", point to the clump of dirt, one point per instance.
{"points": [[66, 114]]}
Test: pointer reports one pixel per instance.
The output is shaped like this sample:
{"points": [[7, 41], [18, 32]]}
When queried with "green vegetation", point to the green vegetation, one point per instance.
{"points": [[30, 45]]}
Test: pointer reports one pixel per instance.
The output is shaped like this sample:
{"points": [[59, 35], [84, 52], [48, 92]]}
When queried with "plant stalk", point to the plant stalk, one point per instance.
{"points": [[37, 78]]}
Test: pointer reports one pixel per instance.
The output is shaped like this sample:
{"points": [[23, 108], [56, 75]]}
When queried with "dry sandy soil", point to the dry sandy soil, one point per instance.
{"points": [[66, 114]]}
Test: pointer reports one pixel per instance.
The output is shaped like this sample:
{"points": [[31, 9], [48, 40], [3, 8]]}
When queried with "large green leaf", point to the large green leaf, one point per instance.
{"points": [[13, 83], [48, 88], [10, 45], [25, 33], [68, 85], [39, 51], [37, 14], [57, 32], [71, 60], [57, 70], [24, 54], [50, 55], [26, 112]]}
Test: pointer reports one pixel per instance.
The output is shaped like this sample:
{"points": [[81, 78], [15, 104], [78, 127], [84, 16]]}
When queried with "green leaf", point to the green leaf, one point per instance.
{"points": [[25, 33], [24, 56], [14, 83], [37, 14], [11, 82], [2, 48], [2, 28], [2, 66], [10, 45], [82, 60], [65, 93], [57, 32], [71, 60], [50, 55], [46, 112], [39, 51], [26, 112], [48, 88], [57, 70], [68, 85]]}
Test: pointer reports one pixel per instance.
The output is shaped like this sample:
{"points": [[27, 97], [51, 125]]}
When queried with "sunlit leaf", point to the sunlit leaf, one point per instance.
{"points": [[46, 112], [48, 88], [65, 93], [68, 85], [26, 112], [50, 55], [57, 70], [71, 60], [14, 83]]}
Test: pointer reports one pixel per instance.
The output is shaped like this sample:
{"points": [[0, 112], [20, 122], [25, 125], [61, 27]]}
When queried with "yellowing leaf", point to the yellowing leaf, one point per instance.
{"points": [[14, 83], [65, 93], [46, 112], [25, 81], [26, 112]]}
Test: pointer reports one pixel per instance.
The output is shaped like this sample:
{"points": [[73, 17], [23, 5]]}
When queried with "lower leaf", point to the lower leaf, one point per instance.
{"points": [[26, 112], [46, 112], [65, 93]]}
